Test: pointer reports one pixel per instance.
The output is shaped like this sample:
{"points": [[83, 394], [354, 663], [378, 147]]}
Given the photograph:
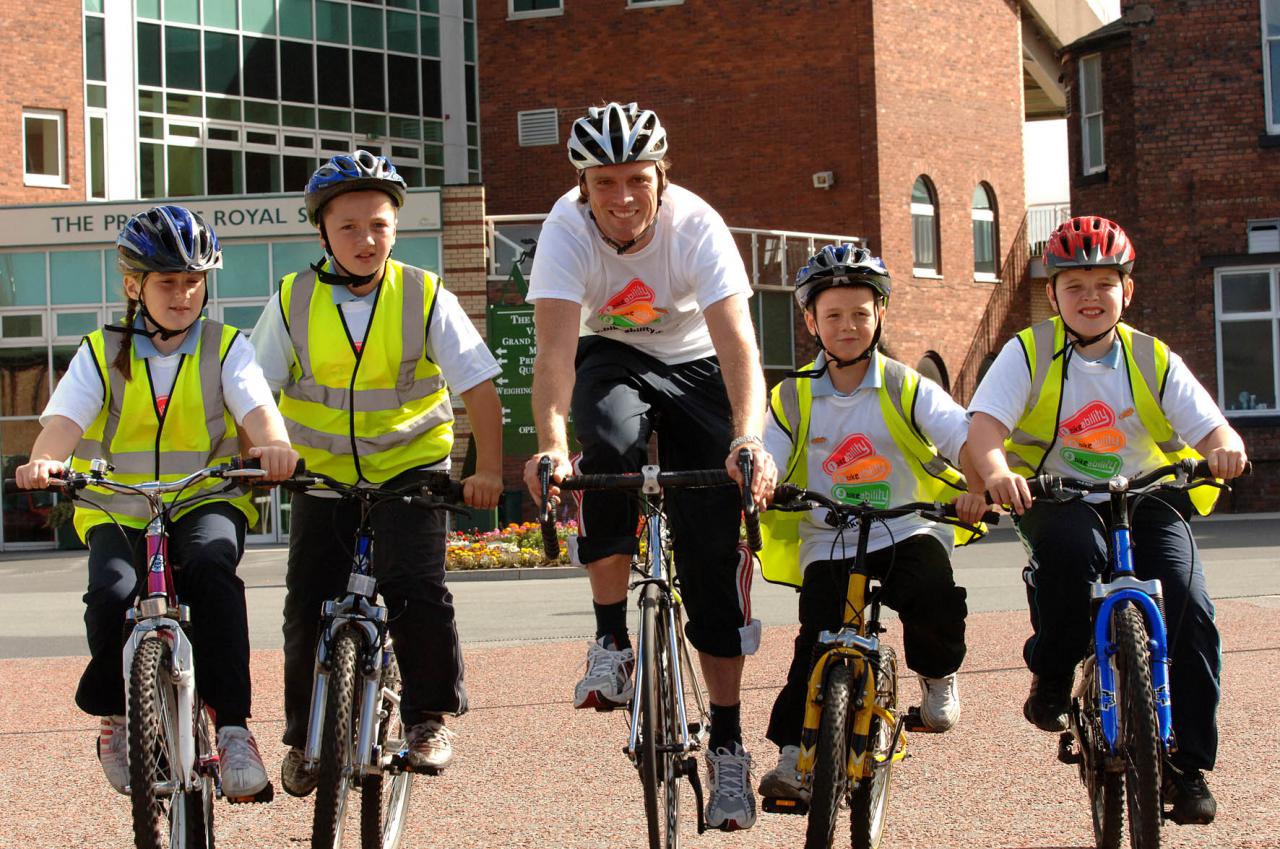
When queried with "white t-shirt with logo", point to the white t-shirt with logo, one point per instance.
{"points": [[1100, 434], [852, 457], [654, 298]]}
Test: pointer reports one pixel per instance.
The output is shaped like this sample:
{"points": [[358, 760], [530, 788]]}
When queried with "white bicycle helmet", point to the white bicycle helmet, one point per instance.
{"points": [[614, 134]]}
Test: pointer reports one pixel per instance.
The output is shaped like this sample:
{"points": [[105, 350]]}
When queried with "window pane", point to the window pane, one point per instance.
{"points": [[149, 54], [150, 101], [261, 113], [76, 323], [1246, 292], [244, 272], [366, 80], [776, 323], [288, 257], [75, 277], [186, 172], [221, 63], [184, 104], [259, 16], [93, 6], [366, 26], [149, 9], [259, 67], [331, 119], [430, 27], [182, 57], [333, 80], [1273, 49], [1273, 18], [225, 109], [1248, 366], [331, 22], [226, 172], [295, 18], [298, 116], [980, 199], [25, 511], [424, 252], [297, 171], [96, 96], [95, 60], [469, 82], [375, 124], [1090, 84], [402, 32], [920, 192], [244, 317], [182, 11], [97, 157], [41, 146], [431, 106], [1093, 146], [150, 170], [984, 258], [922, 237], [220, 13], [403, 72], [534, 5], [469, 42], [21, 327], [22, 280], [261, 172], [296, 64]]}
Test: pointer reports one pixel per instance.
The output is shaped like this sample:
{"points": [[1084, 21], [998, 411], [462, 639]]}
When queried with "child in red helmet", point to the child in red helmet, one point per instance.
{"points": [[1067, 397]]}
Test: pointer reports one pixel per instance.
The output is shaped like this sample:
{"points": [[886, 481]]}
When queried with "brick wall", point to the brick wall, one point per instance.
{"points": [[1186, 170], [41, 66], [465, 273]]}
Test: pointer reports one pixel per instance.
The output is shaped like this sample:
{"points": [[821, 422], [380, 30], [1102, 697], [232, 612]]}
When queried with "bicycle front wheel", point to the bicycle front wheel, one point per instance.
{"points": [[1106, 787], [870, 797], [831, 764], [337, 747], [163, 814], [384, 797], [657, 758], [1139, 729]]}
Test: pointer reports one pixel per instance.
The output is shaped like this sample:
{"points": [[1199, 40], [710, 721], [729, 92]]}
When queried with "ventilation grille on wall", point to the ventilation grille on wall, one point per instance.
{"points": [[537, 126]]}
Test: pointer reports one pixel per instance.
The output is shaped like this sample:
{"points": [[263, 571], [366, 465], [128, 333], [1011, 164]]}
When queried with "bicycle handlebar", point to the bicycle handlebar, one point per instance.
{"points": [[439, 492], [790, 498], [1187, 474], [71, 482]]}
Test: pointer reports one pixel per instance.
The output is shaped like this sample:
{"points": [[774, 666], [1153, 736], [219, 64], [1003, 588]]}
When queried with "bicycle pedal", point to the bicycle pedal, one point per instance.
{"points": [[772, 805], [399, 763], [1067, 752], [915, 723], [262, 797]]}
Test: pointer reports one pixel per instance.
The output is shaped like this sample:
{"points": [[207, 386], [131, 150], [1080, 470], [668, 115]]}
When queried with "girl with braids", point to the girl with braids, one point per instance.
{"points": [[160, 396]]}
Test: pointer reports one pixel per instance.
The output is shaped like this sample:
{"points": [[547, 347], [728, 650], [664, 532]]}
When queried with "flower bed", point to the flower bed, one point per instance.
{"points": [[518, 546]]}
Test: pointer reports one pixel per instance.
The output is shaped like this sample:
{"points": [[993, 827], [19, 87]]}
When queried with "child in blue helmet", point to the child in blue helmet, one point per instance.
{"points": [[337, 338], [865, 429], [131, 391]]}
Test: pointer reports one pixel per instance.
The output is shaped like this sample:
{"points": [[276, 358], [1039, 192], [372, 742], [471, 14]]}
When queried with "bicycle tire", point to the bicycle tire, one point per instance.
{"points": [[650, 760], [200, 802], [337, 746], [670, 718], [1105, 787], [1140, 731], [384, 797], [869, 799], [830, 768], [160, 821]]}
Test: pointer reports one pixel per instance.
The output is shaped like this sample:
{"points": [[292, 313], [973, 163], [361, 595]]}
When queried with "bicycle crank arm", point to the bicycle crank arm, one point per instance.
{"points": [[689, 767], [266, 794]]}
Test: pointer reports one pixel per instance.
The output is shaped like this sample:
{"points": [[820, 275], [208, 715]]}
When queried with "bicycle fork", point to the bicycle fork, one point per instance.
{"points": [[181, 676]]}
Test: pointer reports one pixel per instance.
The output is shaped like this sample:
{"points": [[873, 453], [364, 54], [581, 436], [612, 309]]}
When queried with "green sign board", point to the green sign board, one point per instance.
{"points": [[512, 341]]}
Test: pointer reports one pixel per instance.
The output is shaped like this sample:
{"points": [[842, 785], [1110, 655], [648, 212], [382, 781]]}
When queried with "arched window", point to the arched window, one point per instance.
{"points": [[932, 367], [985, 249], [924, 226]]}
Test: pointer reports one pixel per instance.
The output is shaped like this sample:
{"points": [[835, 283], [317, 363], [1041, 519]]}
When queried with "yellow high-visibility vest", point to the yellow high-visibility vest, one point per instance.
{"points": [[195, 430], [791, 402], [365, 410], [1146, 361]]}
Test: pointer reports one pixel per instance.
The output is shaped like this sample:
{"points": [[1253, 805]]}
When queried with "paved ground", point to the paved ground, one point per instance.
{"points": [[534, 773]]}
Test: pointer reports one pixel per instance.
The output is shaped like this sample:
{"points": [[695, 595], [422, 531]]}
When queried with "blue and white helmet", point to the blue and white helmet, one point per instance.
{"points": [[167, 239], [841, 265], [614, 134], [353, 172]]}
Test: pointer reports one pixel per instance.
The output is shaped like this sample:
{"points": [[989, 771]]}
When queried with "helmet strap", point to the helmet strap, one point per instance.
{"points": [[832, 360], [1076, 340], [163, 332]]}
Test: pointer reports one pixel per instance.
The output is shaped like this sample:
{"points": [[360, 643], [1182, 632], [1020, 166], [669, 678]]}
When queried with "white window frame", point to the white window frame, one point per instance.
{"points": [[988, 214], [646, 4], [56, 181], [513, 15], [1268, 44], [1089, 163], [931, 210], [1273, 315]]}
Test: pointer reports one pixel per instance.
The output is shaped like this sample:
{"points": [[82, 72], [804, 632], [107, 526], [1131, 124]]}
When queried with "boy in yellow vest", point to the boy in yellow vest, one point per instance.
{"points": [[339, 340], [864, 428], [1083, 395], [159, 396]]}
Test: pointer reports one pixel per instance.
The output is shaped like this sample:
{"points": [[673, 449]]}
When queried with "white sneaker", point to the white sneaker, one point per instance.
{"points": [[783, 781], [731, 804], [940, 704], [607, 684], [239, 762], [113, 752]]}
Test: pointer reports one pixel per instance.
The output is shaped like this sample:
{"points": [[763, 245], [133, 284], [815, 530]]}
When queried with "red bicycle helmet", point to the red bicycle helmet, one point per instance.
{"points": [[1088, 241]]}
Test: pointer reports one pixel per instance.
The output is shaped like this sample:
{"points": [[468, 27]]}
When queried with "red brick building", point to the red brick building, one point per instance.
{"points": [[758, 99], [1175, 133]]}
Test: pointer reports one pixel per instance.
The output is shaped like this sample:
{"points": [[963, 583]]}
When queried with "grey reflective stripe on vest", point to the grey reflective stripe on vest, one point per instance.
{"points": [[1144, 357], [789, 395], [335, 443], [365, 400], [1043, 337], [895, 377]]}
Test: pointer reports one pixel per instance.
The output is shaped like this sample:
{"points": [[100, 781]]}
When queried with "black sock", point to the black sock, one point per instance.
{"points": [[611, 621], [726, 726], [220, 721]]}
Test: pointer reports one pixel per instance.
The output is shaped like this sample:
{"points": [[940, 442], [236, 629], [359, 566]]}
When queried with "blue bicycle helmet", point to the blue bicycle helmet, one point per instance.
{"points": [[352, 172], [167, 239], [841, 265]]}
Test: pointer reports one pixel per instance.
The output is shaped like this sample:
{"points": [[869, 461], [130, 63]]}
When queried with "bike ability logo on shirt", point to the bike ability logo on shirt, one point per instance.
{"points": [[631, 308], [1091, 441], [859, 475]]}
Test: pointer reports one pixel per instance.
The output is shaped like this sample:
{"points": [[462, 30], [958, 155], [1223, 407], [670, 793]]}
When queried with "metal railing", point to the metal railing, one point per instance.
{"points": [[771, 256], [1043, 219]]}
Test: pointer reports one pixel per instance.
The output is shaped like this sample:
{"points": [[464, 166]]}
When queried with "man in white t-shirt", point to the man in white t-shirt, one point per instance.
{"points": [[1083, 396], [642, 325]]}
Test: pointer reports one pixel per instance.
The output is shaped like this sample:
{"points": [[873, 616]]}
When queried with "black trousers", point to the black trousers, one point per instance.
{"points": [[205, 547], [408, 563], [620, 398], [1068, 544], [917, 582]]}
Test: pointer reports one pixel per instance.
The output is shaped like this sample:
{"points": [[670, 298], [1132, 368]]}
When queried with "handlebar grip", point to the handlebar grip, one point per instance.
{"points": [[784, 492], [750, 515], [547, 519]]}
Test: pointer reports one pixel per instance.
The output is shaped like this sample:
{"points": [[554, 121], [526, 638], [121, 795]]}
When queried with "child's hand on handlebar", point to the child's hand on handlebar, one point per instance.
{"points": [[278, 461], [970, 507], [1227, 463], [1006, 487], [37, 473], [482, 490]]}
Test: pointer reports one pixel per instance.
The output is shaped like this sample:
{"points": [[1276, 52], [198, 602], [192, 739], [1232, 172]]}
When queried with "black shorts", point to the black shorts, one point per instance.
{"points": [[621, 397]]}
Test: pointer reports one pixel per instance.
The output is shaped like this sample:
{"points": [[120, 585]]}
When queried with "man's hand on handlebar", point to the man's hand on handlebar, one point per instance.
{"points": [[561, 468], [764, 478], [37, 473]]}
